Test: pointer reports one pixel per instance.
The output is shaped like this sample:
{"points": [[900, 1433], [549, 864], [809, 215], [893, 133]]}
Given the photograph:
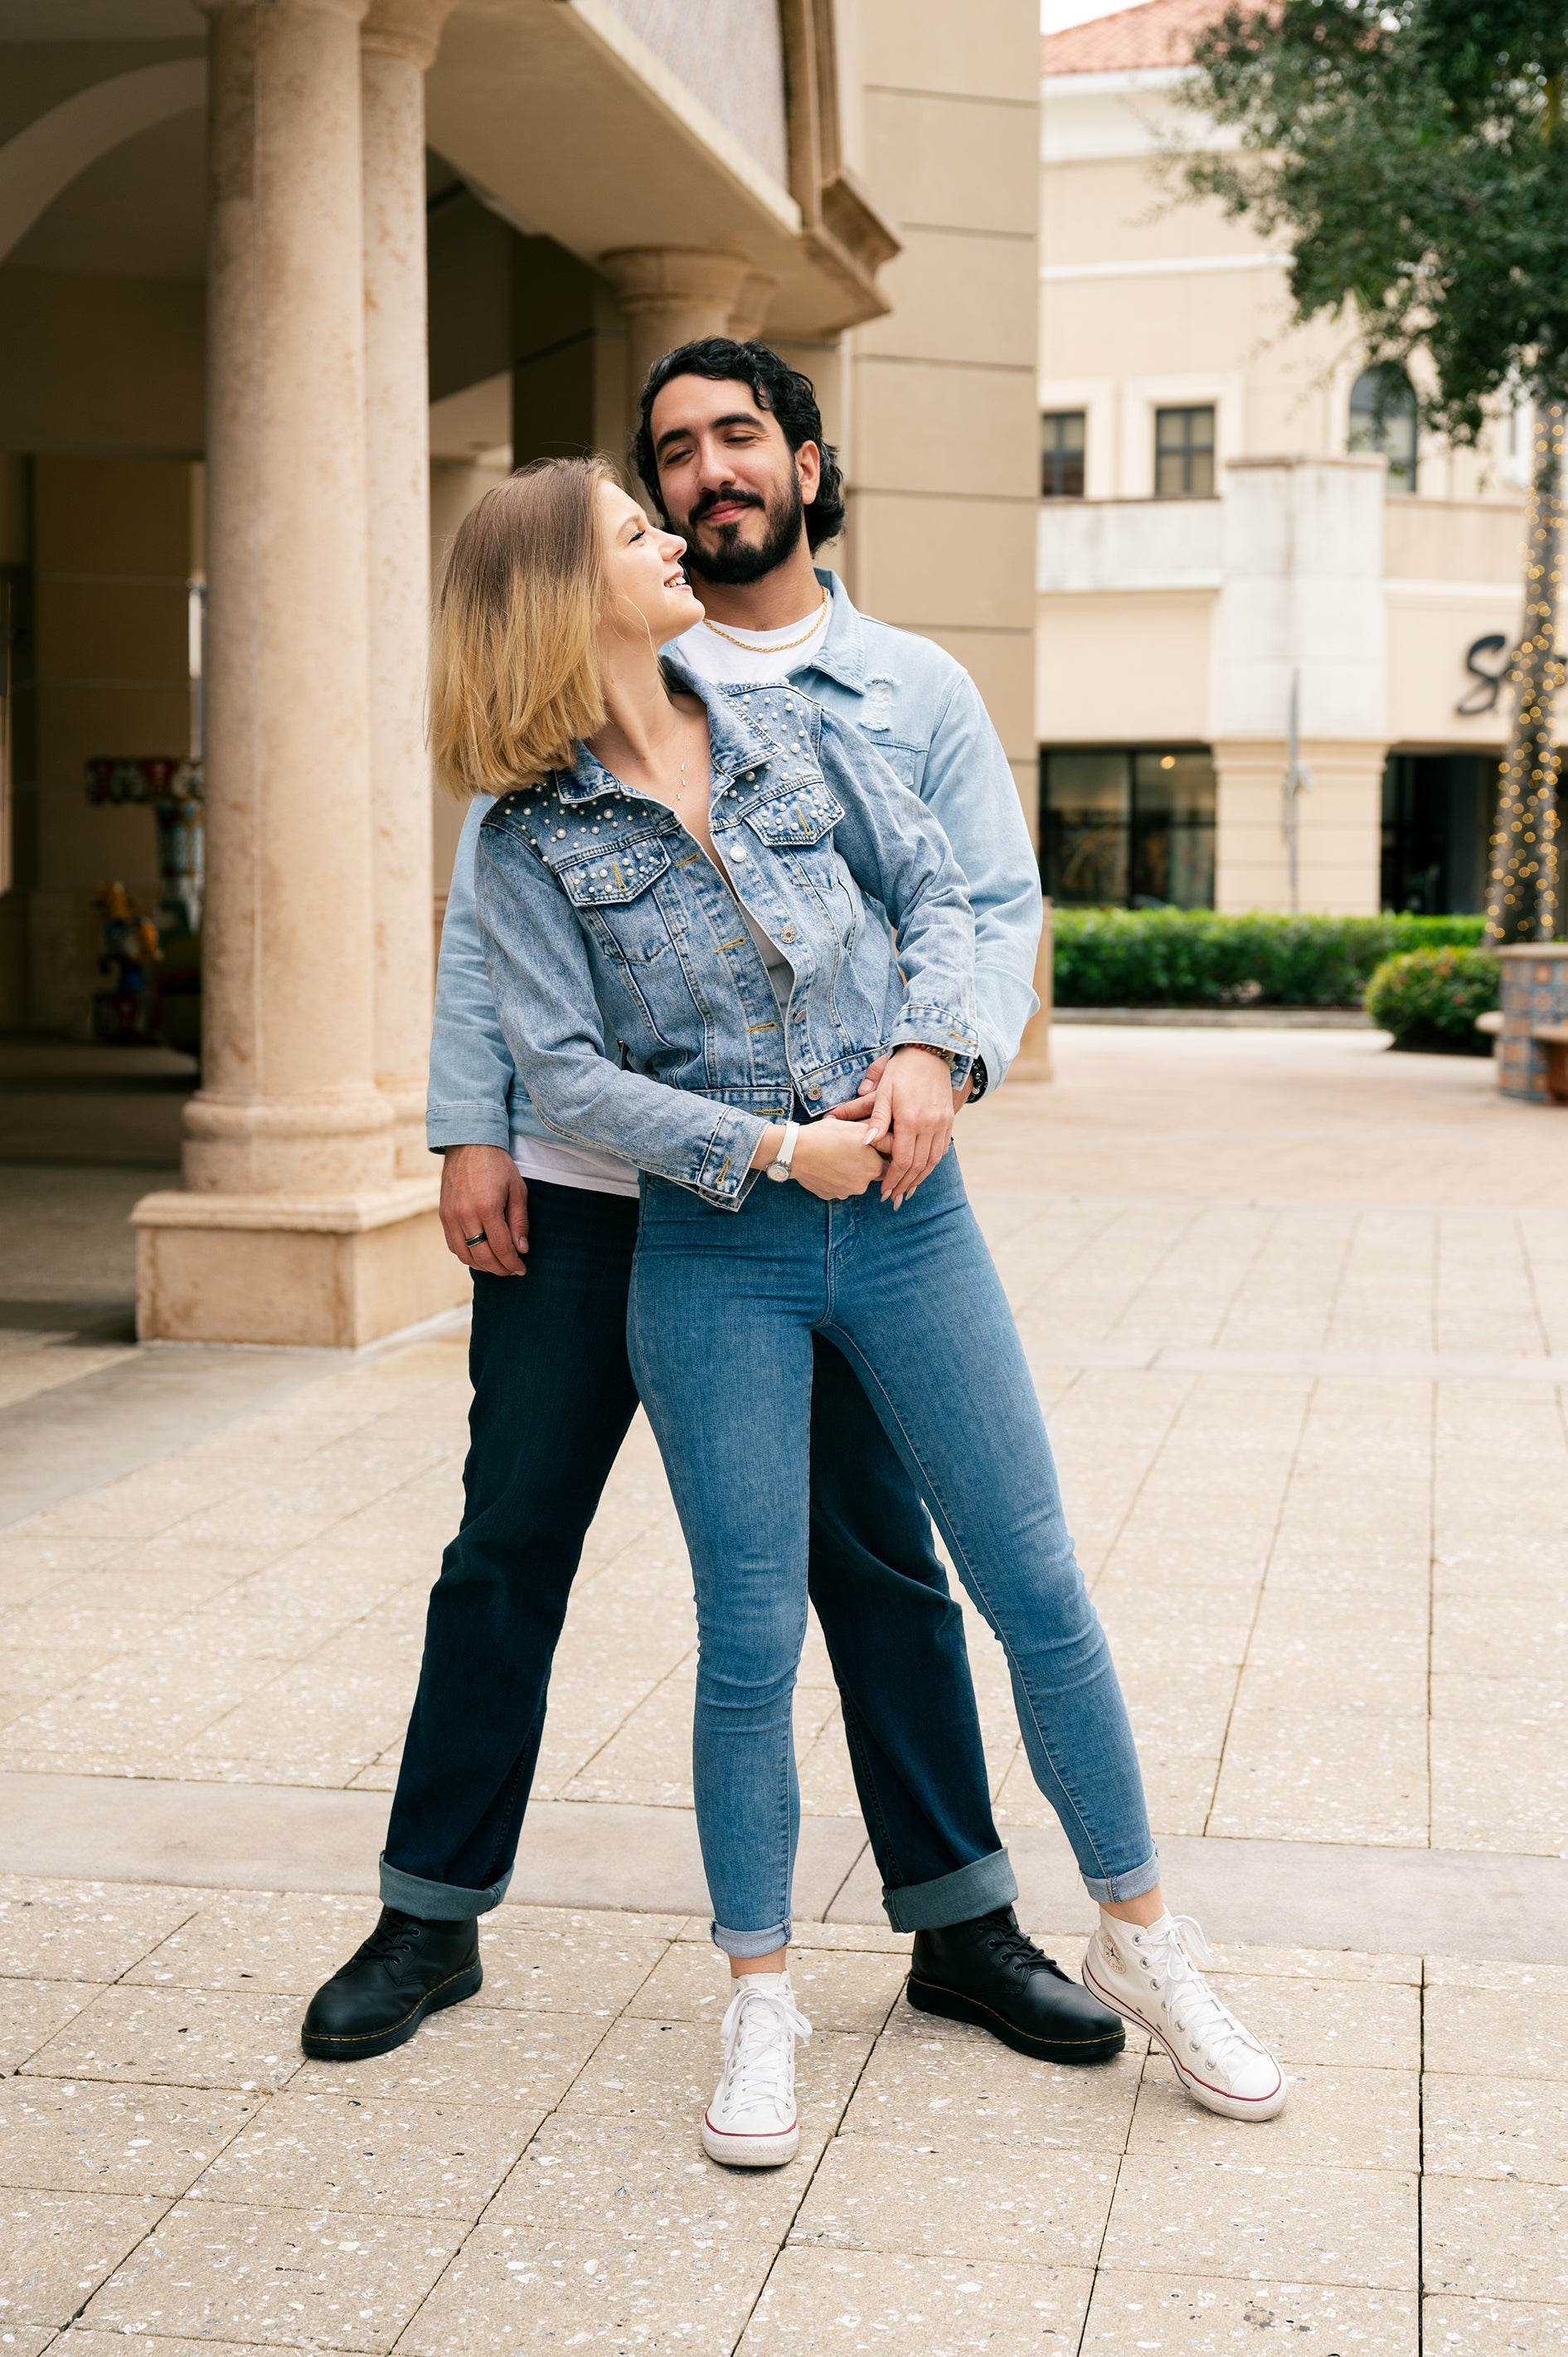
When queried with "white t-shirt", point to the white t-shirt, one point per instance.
{"points": [[743, 657]]}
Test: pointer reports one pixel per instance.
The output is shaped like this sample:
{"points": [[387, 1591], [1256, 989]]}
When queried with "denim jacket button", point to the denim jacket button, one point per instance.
{"points": [[815, 1092]]}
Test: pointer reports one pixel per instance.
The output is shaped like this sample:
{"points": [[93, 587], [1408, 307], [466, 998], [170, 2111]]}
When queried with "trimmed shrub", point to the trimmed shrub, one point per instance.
{"points": [[1191, 957], [1430, 998]]}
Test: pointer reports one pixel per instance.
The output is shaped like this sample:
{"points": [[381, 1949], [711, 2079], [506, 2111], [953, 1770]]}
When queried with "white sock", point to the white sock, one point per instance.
{"points": [[775, 1983]]}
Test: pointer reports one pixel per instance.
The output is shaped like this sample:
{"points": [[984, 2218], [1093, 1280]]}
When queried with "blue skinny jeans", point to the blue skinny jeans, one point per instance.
{"points": [[725, 1306]]}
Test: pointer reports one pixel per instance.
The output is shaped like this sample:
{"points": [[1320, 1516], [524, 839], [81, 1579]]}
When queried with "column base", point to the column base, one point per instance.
{"points": [[321, 1272]]}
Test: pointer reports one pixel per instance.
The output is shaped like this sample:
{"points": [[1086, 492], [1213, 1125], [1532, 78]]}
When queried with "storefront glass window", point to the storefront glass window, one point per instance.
{"points": [[1127, 829], [1184, 453], [1173, 830], [1062, 439]]}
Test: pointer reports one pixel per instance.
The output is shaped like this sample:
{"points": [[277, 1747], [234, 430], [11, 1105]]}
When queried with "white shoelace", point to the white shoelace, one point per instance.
{"points": [[1197, 2014], [756, 2032]]}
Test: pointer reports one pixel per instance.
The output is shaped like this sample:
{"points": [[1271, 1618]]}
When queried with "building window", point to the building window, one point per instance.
{"points": [[1127, 829], [1382, 417], [1062, 454], [1184, 453]]}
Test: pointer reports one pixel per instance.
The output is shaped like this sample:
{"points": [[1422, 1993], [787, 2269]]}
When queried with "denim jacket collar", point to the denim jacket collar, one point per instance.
{"points": [[733, 743], [842, 651]]}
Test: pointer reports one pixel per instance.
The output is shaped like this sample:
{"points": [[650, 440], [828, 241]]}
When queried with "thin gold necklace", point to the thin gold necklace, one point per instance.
{"points": [[779, 646]]}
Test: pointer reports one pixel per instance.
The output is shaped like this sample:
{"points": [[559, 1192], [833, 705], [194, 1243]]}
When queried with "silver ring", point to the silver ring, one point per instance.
{"points": [[480, 1239]]}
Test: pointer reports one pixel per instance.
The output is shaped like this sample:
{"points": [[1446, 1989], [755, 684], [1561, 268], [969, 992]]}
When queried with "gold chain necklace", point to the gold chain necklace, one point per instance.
{"points": [[779, 646]]}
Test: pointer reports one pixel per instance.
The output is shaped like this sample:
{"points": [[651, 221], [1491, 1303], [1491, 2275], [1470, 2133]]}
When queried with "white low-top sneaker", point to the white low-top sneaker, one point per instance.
{"points": [[751, 2122], [1152, 1977]]}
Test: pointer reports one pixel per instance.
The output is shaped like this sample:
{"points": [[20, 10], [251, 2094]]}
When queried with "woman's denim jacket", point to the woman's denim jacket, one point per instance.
{"points": [[592, 897]]}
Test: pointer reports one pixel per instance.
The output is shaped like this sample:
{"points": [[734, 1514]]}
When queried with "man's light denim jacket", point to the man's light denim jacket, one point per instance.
{"points": [[923, 713], [598, 908]]}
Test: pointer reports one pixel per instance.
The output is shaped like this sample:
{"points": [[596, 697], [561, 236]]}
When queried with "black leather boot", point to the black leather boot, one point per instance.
{"points": [[988, 1971], [407, 1968]]}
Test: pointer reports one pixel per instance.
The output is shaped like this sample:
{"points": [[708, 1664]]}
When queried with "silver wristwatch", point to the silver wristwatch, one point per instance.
{"points": [[779, 1166]]}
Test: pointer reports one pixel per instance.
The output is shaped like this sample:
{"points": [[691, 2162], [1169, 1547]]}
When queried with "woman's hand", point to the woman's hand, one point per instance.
{"points": [[914, 1108], [833, 1161]]}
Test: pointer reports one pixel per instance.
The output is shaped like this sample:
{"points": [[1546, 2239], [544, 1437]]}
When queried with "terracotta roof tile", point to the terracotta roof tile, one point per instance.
{"points": [[1160, 33]]}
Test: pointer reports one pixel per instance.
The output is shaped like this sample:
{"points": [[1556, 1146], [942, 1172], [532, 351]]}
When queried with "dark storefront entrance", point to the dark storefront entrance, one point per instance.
{"points": [[1438, 811]]}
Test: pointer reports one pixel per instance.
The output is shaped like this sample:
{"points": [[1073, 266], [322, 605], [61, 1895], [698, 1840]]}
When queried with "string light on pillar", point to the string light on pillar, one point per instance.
{"points": [[1523, 899]]}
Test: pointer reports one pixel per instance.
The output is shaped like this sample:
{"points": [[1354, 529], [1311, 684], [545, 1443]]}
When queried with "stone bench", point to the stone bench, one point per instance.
{"points": [[1552, 1040], [1532, 1028]]}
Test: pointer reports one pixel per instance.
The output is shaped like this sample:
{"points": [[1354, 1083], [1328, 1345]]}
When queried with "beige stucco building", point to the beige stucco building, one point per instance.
{"points": [[1227, 529], [232, 386]]}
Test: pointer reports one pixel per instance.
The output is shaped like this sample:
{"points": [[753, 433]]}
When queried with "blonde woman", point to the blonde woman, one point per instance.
{"points": [[678, 889]]}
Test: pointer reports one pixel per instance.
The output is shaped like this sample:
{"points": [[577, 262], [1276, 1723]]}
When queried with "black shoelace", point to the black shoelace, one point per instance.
{"points": [[1011, 1946], [392, 1936]]}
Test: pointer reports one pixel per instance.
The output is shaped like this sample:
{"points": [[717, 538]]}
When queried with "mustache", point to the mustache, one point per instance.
{"points": [[712, 500]]}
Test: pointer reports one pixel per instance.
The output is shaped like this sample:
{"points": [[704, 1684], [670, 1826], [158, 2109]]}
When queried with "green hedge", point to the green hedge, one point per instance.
{"points": [[1191, 957], [1430, 998]]}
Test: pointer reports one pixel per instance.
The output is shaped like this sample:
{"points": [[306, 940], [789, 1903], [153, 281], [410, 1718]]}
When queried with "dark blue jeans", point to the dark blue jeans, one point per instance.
{"points": [[552, 1398]]}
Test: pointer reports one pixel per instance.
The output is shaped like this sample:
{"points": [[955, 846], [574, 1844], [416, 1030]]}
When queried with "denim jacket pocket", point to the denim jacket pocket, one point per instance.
{"points": [[613, 891], [798, 819]]}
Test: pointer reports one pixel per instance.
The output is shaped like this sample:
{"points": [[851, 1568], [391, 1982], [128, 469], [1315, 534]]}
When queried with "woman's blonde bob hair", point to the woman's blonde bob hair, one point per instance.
{"points": [[514, 666]]}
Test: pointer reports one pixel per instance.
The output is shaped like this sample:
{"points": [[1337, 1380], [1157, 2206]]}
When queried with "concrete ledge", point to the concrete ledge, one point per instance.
{"points": [[598, 1854], [1220, 1019], [1307, 1895], [292, 1837]]}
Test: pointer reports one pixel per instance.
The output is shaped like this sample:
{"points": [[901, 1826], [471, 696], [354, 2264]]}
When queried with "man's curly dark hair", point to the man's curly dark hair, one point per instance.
{"points": [[775, 385]]}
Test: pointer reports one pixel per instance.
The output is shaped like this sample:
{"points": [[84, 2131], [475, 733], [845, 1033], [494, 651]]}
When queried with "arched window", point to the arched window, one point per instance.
{"points": [[1382, 417]]}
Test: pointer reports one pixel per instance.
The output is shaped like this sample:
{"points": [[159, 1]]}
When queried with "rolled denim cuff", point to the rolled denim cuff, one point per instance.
{"points": [[950, 1033], [958, 1897], [437, 1902], [472, 1121], [749, 1944], [1114, 1887]]}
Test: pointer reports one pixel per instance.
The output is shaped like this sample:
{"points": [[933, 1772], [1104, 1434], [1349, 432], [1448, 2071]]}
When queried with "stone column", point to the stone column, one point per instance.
{"points": [[292, 1226], [673, 295], [397, 45]]}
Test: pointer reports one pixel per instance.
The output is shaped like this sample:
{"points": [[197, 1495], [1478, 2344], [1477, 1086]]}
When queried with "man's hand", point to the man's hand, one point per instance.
{"points": [[914, 1107], [858, 1107], [482, 1190]]}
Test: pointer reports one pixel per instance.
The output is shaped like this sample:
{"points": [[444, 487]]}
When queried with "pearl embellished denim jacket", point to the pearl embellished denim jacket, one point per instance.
{"points": [[596, 905]]}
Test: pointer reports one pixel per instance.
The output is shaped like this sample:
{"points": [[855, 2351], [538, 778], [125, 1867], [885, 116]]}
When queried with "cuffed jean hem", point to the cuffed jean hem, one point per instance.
{"points": [[750, 1943], [1114, 1887], [437, 1902], [958, 1897]]}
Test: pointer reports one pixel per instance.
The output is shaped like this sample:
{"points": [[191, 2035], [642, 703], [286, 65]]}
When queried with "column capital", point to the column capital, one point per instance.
{"points": [[406, 29], [646, 274], [751, 305]]}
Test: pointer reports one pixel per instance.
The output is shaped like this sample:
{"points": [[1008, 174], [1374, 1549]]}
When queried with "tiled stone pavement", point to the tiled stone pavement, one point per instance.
{"points": [[525, 2174], [1299, 1312]]}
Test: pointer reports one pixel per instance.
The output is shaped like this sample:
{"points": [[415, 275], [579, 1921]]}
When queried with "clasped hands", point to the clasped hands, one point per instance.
{"points": [[892, 1135]]}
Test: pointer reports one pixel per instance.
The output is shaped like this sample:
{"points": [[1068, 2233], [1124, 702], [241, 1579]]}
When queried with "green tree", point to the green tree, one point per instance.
{"points": [[1413, 156]]}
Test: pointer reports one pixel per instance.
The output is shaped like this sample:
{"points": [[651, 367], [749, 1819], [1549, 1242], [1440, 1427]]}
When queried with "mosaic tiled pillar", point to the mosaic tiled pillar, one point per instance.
{"points": [[1534, 991]]}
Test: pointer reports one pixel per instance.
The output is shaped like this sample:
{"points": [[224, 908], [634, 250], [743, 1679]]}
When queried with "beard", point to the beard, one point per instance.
{"points": [[735, 562]]}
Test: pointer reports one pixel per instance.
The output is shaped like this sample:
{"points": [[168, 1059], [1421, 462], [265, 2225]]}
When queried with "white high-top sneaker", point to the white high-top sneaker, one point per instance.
{"points": [[1151, 1976], [751, 2123]]}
